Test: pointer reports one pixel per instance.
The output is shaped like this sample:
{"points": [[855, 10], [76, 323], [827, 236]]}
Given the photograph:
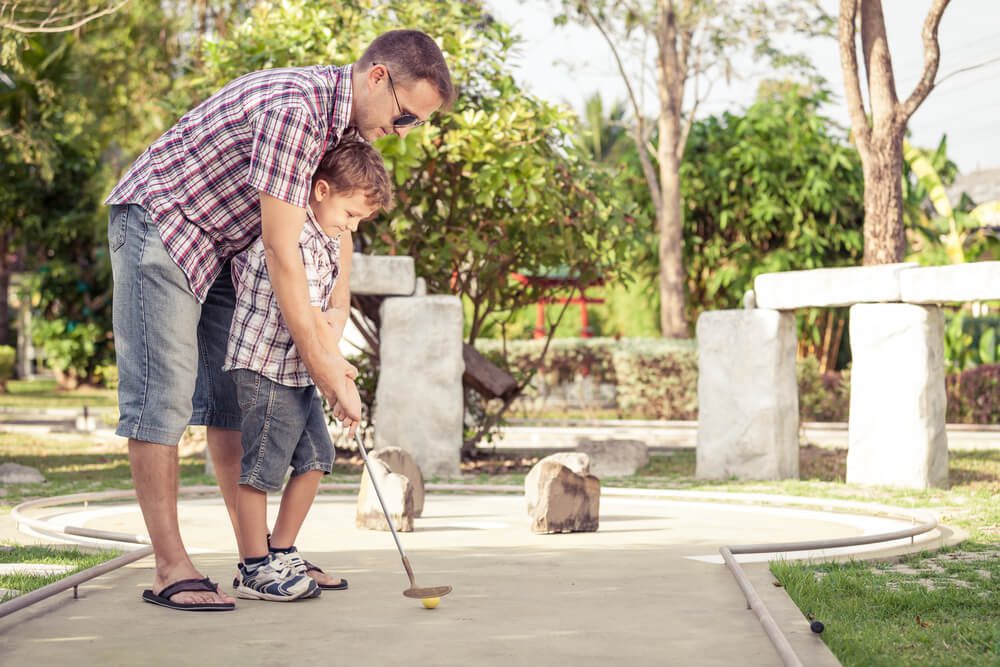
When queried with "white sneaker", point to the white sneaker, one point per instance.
{"points": [[273, 580]]}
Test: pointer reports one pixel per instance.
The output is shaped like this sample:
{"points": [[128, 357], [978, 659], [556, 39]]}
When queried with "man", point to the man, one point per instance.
{"points": [[236, 167]]}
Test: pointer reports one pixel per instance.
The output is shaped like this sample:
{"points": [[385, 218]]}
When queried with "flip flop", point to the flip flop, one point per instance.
{"points": [[342, 586], [205, 585]]}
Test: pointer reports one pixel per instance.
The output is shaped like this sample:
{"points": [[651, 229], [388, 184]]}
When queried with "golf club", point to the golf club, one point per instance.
{"points": [[413, 591]]}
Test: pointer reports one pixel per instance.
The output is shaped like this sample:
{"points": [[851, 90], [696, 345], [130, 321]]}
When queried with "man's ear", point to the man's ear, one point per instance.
{"points": [[375, 75]]}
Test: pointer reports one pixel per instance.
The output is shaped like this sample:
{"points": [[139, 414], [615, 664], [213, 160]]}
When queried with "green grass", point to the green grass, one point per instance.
{"points": [[945, 614], [78, 560], [45, 394]]}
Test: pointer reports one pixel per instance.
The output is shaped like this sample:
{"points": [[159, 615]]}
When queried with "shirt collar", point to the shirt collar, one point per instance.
{"points": [[343, 98], [317, 231]]}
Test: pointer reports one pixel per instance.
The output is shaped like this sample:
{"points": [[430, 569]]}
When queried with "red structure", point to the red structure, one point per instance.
{"points": [[556, 281]]}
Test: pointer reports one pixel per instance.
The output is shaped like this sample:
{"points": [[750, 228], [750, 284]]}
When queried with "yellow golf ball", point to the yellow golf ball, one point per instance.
{"points": [[430, 603]]}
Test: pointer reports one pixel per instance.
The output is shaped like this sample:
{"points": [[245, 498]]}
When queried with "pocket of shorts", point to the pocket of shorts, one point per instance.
{"points": [[117, 221], [248, 388]]}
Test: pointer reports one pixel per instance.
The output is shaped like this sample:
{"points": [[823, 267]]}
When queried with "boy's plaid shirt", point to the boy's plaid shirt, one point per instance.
{"points": [[265, 131], [258, 337]]}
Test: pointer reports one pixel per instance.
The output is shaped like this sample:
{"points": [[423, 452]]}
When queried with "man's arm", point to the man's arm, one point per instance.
{"points": [[281, 226]]}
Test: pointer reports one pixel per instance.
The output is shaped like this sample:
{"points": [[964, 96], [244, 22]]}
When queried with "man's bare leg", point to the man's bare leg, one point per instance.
{"points": [[226, 450], [155, 477], [295, 503]]}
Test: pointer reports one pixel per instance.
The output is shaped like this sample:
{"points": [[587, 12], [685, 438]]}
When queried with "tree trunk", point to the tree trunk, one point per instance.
{"points": [[673, 323], [4, 286], [885, 238]]}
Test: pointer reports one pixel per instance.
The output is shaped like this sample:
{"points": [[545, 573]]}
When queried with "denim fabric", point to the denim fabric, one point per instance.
{"points": [[168, 345], [281, 426]]}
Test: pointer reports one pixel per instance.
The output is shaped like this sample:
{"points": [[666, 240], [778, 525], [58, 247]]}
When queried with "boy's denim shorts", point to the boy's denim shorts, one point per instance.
{"points": [[281, 426], [170, 347]]}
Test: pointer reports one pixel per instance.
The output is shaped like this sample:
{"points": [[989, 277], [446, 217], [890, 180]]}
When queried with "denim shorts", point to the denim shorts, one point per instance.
{"points": [[282, 426], [170, 347]]}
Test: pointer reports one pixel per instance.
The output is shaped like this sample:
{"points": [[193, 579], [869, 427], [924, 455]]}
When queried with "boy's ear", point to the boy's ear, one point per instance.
{"points": [[321, 189]]}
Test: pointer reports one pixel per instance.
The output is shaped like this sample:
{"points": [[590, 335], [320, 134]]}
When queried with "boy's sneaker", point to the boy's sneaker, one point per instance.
{"points": [[292, 560], [273, 580]]}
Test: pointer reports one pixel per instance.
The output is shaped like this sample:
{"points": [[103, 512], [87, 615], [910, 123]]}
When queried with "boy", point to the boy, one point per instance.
{"points": [[282, 417]]}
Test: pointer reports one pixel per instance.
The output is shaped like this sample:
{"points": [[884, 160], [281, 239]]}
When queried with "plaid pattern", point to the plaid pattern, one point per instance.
{"points": [[265, 131], [258, 338]]}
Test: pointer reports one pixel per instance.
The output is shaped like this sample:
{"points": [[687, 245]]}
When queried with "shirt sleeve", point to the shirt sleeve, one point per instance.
{"points": [[317, 265], [286, 150]]}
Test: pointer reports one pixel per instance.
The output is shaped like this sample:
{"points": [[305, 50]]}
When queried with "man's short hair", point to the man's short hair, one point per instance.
{"points": [[411, 56], [354, 166]]}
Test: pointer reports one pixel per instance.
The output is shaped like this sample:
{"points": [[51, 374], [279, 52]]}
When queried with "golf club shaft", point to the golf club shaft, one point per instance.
{"points": [[385, 510]]}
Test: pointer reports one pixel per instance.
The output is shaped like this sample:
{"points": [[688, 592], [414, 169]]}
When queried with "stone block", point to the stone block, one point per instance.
{"points": [[15, 473], [400, 462], [383, 275], [748, 408], [896, 429], [418, 401], [975, 281], [615, 458], [577, 462], [567, 501], [821, 288], [397, 493]]}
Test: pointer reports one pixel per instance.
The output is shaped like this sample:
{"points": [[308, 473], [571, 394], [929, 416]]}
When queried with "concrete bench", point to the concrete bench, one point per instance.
{"points": [[748, 395]]}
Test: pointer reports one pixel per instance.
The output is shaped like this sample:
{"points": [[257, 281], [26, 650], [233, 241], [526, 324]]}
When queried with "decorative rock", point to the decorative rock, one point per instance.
{"points": [[896, 430], [382, 274], [820, 288], [397, 493], [976, 281], [748, 409], [15, 473], [418, 401], [578, 462], [400, 462], [567, 501], [615, 458]]}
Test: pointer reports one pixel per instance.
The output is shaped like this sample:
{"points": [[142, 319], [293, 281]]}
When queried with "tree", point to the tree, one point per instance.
{"points": [[774, 188], [497, 185], [879, 131], [693, 43]]}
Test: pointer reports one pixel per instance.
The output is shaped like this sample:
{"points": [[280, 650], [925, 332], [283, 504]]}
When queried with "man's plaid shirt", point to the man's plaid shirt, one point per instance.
{"points": [[258, 337], [265, 131]]}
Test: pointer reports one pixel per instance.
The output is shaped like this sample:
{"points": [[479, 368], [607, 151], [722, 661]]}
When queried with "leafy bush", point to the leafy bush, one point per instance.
{"points": [[70, 348], [107, 376], [823, 397], [974, 395], [657, 378], [8, 357]]}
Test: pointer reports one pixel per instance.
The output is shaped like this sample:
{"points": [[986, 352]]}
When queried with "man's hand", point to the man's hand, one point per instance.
{"points": [[342, 411]]}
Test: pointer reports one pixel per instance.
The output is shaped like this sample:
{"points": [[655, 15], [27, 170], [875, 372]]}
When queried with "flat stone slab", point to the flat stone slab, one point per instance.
{"points": [[976, 281], [821, 288], [382, 274], [15, 473]]}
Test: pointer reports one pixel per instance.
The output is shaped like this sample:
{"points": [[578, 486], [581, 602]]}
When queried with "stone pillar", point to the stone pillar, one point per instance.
{"points": [[748, 406], [418, 401], [897, 424]]}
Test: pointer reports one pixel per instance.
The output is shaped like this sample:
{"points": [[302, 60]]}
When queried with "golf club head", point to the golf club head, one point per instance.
{"points": [[429, 592]]}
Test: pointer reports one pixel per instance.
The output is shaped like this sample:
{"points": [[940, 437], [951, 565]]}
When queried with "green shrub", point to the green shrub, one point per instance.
{"points": [[657, 378], [823, 397], [107, 376], [8, 358], [974, 395]]}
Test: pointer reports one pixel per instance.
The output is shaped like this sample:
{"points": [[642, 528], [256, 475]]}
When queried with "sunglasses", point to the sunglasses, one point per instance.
{"points": [[403, 119]]}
